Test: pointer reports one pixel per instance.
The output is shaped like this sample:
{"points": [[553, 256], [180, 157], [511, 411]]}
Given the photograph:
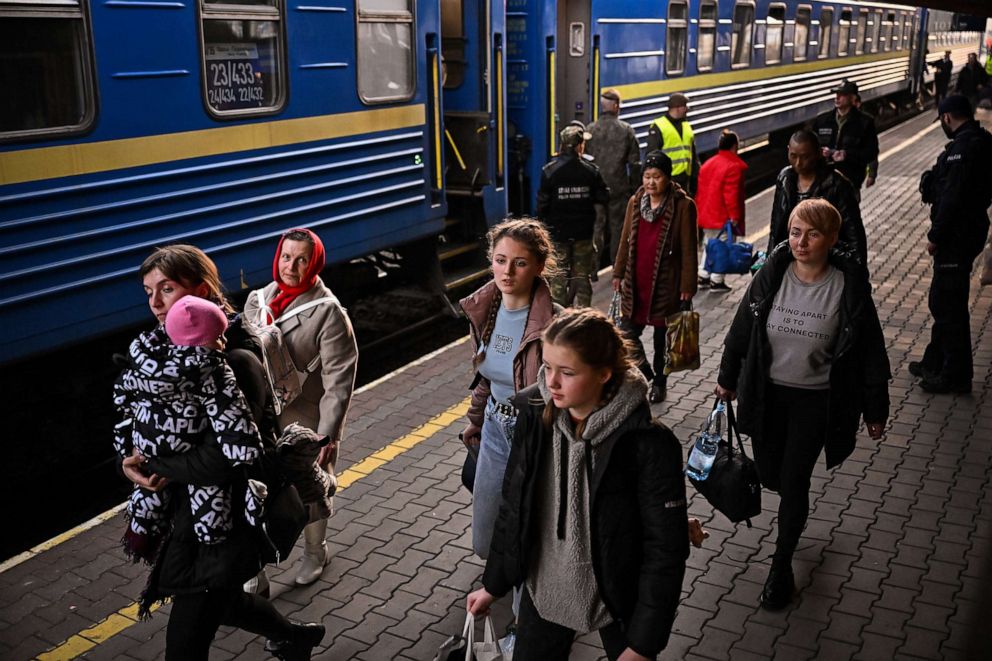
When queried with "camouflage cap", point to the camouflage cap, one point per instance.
{"points": [[572, 136]]}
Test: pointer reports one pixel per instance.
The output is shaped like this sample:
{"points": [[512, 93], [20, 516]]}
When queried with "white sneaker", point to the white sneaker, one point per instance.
{"points": [[258, 585], [312, 564]]}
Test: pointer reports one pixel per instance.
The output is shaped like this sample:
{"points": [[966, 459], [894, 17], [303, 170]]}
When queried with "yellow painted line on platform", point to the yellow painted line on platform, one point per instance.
{"points": [[113, 624], [87, 639]]}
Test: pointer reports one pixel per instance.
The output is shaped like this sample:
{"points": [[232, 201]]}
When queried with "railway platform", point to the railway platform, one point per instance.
{"points": [[894, 563]]}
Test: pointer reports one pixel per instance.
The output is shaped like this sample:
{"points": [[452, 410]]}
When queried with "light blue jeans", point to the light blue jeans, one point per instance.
{"points": [[487, 492]]}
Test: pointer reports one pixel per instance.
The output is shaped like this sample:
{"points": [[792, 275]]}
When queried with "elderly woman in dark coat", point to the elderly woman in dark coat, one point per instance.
{"points": [[655, 266], [806, 354]]}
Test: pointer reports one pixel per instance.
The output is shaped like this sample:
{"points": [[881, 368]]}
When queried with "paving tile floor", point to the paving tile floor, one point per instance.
{"points": [[894, 563]]}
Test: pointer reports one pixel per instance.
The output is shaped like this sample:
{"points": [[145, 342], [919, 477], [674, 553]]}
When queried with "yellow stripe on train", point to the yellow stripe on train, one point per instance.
{"points": [[39, 163]]}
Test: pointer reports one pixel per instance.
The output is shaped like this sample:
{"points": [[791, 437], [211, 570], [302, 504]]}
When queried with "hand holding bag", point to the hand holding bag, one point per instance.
{"points": [[682, 340], [732, 486], [458, 648], [724, 255]]}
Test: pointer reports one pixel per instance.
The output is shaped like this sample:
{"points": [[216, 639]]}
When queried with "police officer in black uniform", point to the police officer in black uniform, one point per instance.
{"points": [[847, 135], [570, 200], [959, 187]]}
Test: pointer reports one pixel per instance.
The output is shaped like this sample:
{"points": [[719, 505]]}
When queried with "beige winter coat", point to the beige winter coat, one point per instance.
{"points": [[321, 337]]}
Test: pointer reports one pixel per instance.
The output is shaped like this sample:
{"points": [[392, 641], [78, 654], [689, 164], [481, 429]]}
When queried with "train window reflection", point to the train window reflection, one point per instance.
{"points": [[801, 39], [453, 43], [385, 50], [243, 68], [844, 41], [905, 30], [826, 30], [862, 33], [740, 38], [46, 70], [887, 31], [677, 41], [875, 31], [706, 47], [775, 27]]}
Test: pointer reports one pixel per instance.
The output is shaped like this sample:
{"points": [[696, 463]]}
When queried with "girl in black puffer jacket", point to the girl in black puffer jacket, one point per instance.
{"points": [[593, 520]]}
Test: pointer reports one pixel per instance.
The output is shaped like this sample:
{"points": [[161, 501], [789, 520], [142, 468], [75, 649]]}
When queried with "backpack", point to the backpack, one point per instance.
{"points": [[284, 378]]}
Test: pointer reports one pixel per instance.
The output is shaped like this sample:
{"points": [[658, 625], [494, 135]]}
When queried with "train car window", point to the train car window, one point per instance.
{"points": [[905, 30], [862, 33], [801, 39], [875, 31], [888, 30], [896, 29], [243, 56], [706, 44], [844, 36], [46, 67], [385, 50], [826, 30], [774, 30], [453, 44], [677, 40], [743, 31]]}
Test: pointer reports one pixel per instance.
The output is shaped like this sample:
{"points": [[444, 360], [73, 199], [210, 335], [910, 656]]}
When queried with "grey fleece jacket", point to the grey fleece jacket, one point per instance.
{"points": [[561, 582]]}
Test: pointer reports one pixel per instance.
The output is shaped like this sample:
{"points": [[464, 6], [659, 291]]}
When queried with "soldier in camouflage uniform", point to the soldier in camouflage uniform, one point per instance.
{"points": [[571, 198], [616, 151]]}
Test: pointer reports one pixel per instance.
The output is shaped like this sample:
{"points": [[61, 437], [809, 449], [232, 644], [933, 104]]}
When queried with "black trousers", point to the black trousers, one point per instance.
{"points": [[794, 435], [195, 619], [540, 640], [949, 351], [633, 333]]}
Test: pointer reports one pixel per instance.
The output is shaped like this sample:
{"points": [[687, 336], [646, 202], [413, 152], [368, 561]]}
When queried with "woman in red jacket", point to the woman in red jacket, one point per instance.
{"points": [[720, 198]]}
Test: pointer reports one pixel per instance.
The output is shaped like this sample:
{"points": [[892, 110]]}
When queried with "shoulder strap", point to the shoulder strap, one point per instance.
{"points": [[306, 306]]}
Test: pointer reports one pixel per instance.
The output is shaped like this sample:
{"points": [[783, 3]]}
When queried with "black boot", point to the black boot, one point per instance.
{"points": [[659, 389], [780, 585], [299, 647]]}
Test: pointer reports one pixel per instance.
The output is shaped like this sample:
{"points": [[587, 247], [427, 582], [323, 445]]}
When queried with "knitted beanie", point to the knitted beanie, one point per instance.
{"points": [[194, 322]]}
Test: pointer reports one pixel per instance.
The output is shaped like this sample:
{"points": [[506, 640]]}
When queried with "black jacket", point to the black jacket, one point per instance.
{"points": [[859, 373], [835, 189], [639, 525], [184, 565], [942, 73], [969, 78], [571, 188], [961, 191], [858, 138]]}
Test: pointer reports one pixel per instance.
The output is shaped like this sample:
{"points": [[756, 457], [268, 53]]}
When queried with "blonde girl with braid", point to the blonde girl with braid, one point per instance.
{"points": [[507, 316]]}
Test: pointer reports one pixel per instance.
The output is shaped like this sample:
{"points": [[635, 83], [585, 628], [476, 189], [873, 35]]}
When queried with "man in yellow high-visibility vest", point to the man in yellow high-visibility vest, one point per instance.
{"points": [[672, 134]]}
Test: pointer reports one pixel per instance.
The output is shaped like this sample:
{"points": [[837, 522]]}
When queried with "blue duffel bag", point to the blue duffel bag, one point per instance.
{"points": [[723, 255]]}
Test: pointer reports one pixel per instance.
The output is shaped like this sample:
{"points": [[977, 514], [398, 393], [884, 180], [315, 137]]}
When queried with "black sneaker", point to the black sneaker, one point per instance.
{"points": [[778, 589], [916, 369], [940, 385], [720, 287], [703, 283], [300, 646]]}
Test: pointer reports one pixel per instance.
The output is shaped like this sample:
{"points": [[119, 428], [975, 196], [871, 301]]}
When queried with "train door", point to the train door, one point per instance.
{"points": [[473, 131], [574, 45]]}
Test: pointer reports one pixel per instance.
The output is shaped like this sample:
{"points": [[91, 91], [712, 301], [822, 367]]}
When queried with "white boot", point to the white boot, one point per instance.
{"points": [[315, 553], [258, 585]]}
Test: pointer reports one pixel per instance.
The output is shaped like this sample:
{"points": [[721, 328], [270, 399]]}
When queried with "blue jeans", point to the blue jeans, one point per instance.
{"points": [[487, 492]]}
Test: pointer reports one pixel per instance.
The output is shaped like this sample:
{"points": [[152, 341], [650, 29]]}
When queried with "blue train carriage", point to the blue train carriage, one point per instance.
{"points": [[754, 65], [131, 124]]}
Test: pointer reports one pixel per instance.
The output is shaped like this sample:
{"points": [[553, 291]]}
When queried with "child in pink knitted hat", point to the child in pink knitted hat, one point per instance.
{"points": [[173, 396], [196, 322]]}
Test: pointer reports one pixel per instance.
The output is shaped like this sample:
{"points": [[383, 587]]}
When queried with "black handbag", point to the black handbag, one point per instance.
{"points": [[283, 515], [732, 486]]}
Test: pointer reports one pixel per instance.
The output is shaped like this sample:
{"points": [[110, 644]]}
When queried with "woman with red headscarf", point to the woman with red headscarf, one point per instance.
{"points": [[322, 344]]}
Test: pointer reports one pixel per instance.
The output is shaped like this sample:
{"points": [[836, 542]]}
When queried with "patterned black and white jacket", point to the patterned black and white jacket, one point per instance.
{"points": [[169, 398]]}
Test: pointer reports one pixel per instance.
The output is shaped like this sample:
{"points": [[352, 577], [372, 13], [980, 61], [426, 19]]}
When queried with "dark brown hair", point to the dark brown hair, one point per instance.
{"points": [[597, 342], [535, 237], [190, 267]]}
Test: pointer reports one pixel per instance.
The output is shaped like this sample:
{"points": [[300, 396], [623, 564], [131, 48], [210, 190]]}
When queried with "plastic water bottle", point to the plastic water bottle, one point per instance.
{"points": [[702, 456], [704, 451]]}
